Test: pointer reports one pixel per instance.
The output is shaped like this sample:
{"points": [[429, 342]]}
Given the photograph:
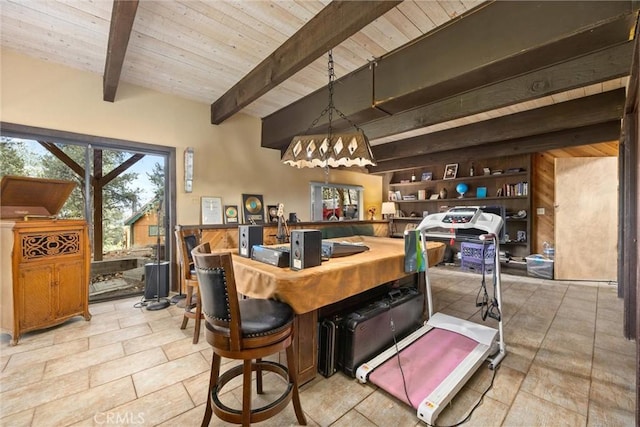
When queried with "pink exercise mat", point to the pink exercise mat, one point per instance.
{"points": [[425, 363]]}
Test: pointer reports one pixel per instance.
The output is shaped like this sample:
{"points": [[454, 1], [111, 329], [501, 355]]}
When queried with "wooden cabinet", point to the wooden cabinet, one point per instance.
{"points": [[49, 274], [507, 185]]}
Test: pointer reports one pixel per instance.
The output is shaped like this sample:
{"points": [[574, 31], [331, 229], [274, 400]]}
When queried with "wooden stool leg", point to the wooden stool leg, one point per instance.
{"points": [[246, 394], [196, 332], [213, 380], [293, 377], [258, 376], [185, 319]]}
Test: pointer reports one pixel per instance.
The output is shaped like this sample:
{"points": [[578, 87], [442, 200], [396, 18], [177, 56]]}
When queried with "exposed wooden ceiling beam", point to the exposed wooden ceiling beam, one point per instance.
{"points": [[122, 17], [406, 78], [579, 112], [335, 23], [582, 71], [499, 41], [602, 132]]}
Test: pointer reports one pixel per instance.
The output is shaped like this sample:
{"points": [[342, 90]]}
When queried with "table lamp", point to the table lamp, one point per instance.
{"points": [[389, 209]]}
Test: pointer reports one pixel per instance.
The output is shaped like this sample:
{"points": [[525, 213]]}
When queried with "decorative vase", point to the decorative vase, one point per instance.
{"points": [[443, 193]]}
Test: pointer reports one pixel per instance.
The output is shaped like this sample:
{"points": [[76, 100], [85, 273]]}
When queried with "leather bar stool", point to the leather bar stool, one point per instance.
{"points": [[247, 330]]}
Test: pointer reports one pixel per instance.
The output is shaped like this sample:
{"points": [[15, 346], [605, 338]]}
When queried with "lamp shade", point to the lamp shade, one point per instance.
{"points": [[388, 208], [342, 149]]}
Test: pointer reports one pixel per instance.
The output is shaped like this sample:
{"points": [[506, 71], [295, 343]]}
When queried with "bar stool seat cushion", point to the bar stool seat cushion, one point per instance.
{"points": [[259, 317]]}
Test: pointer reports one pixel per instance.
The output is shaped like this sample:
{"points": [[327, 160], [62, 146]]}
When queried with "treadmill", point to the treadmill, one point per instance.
{"points": [[440, 357]]}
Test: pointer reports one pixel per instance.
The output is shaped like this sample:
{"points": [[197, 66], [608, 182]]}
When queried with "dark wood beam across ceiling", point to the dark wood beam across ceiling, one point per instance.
{"points": [[122, 17], [579, 112], [458, 59], [583, 71], [335, 23], [592, 134]]}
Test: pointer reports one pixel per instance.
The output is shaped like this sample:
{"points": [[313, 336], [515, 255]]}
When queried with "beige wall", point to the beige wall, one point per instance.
{"points": [[228, 158]]}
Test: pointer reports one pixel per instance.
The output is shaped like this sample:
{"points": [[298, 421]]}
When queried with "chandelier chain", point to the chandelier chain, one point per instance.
{"points": [[330, 108]]}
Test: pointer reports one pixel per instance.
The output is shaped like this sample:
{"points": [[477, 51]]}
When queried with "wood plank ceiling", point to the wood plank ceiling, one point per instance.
{"points": [[426, 80]]}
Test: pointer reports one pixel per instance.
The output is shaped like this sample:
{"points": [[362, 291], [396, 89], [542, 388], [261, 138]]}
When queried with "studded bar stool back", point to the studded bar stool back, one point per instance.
{"points": [[248, 330]]}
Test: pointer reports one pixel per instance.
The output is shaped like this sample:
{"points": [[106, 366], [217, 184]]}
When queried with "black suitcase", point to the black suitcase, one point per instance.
{"points": [[366, 332]]}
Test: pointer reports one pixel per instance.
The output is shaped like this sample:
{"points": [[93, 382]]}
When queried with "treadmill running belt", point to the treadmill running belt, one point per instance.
{"points": [[425, 363]]}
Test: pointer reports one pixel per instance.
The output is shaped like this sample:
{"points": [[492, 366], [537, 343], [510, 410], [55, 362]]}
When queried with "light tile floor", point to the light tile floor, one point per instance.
{"points": [[567, 364]]}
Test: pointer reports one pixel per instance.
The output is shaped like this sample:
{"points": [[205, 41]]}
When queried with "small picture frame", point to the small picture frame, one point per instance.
{"points": [[434, 196], [272, 212], [427, 176], [211, 210], [398, 196], [450, 171], [231, 214]]}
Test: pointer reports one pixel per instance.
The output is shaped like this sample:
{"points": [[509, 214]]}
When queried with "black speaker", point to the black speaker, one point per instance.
{"points": [[151, 272], [306, 249], [248, 237]]}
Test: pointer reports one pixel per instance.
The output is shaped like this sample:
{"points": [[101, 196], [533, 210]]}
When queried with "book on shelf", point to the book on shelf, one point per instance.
{"points": [[514, 190]]}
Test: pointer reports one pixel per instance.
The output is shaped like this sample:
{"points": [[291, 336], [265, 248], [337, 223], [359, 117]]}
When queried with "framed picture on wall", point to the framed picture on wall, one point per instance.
{"points": [[211, 210], [450, 171], [231, 214], [253, 208], [272, 210]]}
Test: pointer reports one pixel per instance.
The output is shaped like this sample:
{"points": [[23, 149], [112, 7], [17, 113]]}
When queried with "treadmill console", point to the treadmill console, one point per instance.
{"points": [[461, 215]]}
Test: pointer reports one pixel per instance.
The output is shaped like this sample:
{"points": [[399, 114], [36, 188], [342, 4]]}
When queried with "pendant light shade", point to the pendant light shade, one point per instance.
{"points": [[330, 150]]}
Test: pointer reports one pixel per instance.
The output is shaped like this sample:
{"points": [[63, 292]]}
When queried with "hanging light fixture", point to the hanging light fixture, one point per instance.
{"points": [[330, 149]]}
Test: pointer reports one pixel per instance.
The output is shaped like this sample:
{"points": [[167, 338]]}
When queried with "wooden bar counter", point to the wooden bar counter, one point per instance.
{"points": [[309, 289]]}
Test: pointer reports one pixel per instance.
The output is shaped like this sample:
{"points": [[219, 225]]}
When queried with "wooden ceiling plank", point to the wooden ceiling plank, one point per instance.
{"points": [[571, 114], [602, 132], [122, 17], [344, 18]]}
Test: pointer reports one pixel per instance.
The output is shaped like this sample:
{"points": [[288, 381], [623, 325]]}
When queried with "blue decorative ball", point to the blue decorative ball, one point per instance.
{"points": [[462, 188]]}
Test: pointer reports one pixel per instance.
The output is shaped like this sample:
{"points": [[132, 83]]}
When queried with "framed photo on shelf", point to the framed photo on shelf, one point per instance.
{"points": [[211, 210], [231, 214], [272, 211], [450, 171], [427, 176], [398, 196]]}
